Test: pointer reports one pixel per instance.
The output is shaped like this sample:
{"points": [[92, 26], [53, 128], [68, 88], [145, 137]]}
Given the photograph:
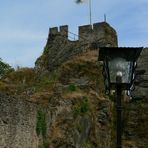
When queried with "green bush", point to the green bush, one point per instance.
{"points": [[4, 68], [84, 105], [71, 87], [41, 126], [81, 107]]}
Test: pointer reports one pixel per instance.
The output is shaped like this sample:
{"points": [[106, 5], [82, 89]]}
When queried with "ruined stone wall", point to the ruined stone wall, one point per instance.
{"points": [[65, 127], [101, 33], [135, 112], [141, 89], [59, 48], [17, 123]]}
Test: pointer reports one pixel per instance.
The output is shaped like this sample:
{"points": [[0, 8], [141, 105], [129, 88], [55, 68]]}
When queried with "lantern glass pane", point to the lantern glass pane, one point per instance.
{"points": [[120, 66]]}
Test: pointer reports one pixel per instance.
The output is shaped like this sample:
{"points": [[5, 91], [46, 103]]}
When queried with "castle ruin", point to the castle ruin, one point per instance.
{"points": [[59, 48], [20, 115], [90, 37]]}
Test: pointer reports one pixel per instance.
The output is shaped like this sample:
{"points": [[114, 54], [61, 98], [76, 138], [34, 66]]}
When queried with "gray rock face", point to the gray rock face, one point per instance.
{"points": [[17, 123], [135, 124], [66, 125], [141, 89]]}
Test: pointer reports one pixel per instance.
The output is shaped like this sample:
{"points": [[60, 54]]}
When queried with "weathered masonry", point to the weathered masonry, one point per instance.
{"points": [[59, 48]]}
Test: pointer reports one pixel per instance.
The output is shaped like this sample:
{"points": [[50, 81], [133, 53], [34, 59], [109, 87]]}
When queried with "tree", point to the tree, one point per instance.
{"points": [[4, 68]]}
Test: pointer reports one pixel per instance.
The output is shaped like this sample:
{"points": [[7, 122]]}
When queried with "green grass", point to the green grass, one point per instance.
{"points": [[81, 107], [72, 88]]}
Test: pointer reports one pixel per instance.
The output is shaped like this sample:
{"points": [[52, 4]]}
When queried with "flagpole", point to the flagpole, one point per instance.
{"points": [[90, 9], [90, 17]]}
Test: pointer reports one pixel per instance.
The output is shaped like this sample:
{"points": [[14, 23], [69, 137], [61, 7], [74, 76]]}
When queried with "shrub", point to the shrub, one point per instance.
{"points": [[4, 68], [22, 75], [41, 123], [81, 107], [84, 105], [71, 87]]}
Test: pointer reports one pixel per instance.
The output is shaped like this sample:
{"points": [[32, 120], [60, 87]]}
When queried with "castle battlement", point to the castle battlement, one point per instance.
{"points": [[62, 30], [60, 48], [85, 32], [89, 33]]}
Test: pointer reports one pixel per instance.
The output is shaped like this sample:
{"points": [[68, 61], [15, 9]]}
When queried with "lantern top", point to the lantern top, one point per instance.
{"points": [[128, 53]]}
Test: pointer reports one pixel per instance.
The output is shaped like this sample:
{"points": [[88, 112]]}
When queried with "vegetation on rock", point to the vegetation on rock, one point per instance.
{"points": [[80, 114], [4, 68], [41, 127]]}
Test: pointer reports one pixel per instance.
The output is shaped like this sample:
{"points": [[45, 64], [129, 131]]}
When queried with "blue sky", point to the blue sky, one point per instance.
{"points": [[24, 25]]}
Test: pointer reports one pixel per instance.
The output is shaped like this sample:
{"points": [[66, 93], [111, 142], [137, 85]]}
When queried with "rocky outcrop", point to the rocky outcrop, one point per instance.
{"points": [[135, 124], [75, 116], [136, 111], [71, 121]]}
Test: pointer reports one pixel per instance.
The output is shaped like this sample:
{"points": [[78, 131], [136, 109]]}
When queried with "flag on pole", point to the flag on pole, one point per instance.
{"points": [[81, 1]]}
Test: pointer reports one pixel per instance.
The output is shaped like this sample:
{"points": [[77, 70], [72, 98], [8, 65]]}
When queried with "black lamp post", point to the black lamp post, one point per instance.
{"points": [[119, 73]]}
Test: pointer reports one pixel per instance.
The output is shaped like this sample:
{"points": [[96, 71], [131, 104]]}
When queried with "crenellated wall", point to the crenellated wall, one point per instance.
{"points": [[98, 32], [63, 30], [59, 48], [89, 33]]}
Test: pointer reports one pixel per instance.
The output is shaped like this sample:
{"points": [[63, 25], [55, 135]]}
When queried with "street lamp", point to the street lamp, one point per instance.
{"points": [[119, 73]]}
